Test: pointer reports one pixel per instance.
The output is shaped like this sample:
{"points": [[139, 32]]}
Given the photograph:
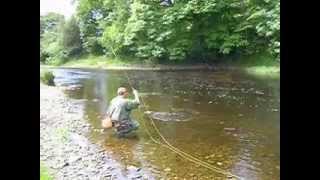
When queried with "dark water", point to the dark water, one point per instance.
{"points": [[235, 122]]}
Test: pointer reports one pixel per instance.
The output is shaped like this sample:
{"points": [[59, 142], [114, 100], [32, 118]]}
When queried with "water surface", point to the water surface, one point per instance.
{"points": [[235, 122]]}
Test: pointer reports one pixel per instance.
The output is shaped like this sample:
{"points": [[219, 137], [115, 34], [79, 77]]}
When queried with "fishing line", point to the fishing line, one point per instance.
{"points": [[176, 150]]}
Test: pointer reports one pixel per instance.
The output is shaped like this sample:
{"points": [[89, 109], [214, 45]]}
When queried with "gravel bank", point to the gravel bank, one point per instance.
{"points": [[64, 147]]}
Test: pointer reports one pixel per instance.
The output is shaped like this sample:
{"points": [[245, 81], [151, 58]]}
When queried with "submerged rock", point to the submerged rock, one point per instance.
{"points": [[259, 92], [167, 169], [133, 168], [229, 129], [147, 112]]}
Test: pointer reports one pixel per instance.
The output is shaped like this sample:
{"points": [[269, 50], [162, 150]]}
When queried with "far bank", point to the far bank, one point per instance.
{"points": [[255, 65]]}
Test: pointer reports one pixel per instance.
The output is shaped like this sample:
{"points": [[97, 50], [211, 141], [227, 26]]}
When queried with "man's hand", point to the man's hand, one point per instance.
{"points": [[134, 91], [136, 96]]}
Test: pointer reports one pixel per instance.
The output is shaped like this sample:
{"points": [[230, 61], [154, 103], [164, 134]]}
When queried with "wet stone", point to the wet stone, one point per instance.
{"points": [[167, 169], [229, 129]]}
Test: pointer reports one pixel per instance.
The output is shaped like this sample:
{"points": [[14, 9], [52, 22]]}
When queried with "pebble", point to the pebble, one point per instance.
{"points": [[131, 167], [148, 112], [259, 92], [167, 169], [78, 158], [256, 163], [229, 129]]}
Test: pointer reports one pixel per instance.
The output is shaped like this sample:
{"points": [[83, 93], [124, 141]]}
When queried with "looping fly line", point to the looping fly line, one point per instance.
{"points": [[181, 153]]}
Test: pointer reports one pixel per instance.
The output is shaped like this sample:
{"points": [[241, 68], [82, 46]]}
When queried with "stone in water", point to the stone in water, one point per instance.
{"points": [[167, 169], [230, 129]]}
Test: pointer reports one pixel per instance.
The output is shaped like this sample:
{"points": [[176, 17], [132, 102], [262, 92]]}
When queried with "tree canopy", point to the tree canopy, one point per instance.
{"points": [[188, 29]]}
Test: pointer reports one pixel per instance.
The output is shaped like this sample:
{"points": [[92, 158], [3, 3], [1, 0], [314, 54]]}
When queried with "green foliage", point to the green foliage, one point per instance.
{"points": [[50, 23], [195, 30], [63, 134], [44, 173], [47, 78], [43, 56], [50, 32], [266, 20], [71, 41], [90, 13], [60, 40]]}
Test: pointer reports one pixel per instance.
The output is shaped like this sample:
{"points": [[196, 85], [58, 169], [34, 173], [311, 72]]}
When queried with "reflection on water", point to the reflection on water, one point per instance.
{"points": [[235, 123]]}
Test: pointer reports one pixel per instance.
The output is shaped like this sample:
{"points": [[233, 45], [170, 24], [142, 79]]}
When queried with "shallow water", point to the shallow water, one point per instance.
{"points": [[235, 122]]}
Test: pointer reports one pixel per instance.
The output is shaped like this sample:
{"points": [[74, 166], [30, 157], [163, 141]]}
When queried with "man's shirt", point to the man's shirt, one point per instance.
{"points": [[121, 107]]}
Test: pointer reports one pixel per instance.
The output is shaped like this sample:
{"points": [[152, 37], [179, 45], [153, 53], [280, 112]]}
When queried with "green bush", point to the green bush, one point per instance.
{"points": [[43, 56], [44, 173], [47, 78]]}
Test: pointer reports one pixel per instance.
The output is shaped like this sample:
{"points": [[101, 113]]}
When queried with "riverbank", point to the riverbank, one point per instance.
{"points": [[65, 150], [262, 68]]}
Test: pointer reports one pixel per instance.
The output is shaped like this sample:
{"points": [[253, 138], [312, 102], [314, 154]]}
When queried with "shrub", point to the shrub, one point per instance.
{"points": [[47, 78]]}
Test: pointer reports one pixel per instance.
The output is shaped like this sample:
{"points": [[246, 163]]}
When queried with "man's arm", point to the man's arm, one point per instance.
{"points": [[132, 104], [108, 113], [136, 96]]}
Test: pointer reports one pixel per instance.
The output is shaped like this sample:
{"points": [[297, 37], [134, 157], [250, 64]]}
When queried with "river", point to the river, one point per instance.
{"points": [[234, 122]]}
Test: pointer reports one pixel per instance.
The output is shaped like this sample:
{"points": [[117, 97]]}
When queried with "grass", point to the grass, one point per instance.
{"points": [[264, 71], [44, 173], [63, 134], [261, 65], [100, 61], [258, 65]]}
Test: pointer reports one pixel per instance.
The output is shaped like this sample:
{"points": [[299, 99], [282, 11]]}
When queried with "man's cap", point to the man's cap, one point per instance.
{"points": [[121, 90]]}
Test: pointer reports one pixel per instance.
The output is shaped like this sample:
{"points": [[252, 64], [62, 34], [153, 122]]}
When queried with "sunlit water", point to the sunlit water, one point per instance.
{"points": [[235, 121]]}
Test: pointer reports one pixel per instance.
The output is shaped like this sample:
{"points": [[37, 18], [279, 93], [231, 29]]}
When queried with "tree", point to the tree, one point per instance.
{"points": [[50, 32], [50, 22], [188, 29], [71, 41], [89, 13]]}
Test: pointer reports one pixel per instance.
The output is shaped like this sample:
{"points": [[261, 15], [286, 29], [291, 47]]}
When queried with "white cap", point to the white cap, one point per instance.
{"points": [[121, 90]]}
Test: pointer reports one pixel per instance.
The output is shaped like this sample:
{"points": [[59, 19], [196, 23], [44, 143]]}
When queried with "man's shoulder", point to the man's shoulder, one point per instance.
{"points": [[120, 100]]}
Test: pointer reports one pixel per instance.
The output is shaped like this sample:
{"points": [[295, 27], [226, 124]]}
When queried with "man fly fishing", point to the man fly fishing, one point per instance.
{"points": [[120, 109]]}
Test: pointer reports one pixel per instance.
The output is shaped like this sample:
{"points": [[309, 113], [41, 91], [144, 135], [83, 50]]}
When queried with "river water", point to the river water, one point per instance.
{"points": [[234, 122]]}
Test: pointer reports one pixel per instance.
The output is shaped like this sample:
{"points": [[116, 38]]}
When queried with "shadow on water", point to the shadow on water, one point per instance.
{"points": [[235, 122]]}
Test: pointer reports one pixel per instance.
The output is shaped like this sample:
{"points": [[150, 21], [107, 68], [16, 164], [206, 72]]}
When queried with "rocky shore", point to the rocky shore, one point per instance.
{"points": [[64, 148]]}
